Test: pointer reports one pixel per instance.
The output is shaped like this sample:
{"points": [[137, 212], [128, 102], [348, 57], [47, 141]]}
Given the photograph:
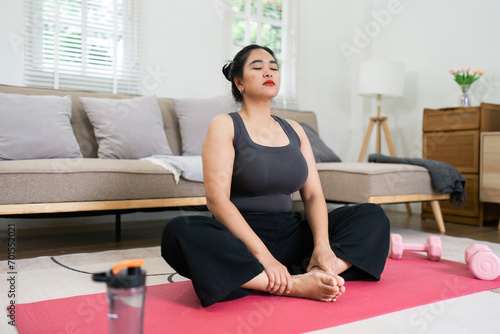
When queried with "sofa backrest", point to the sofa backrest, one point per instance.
{"points": [[307, 117], [84, 132]]}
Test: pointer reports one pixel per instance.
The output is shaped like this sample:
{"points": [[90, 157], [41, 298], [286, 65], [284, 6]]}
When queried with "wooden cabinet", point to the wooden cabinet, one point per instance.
{"points": [[452, 135], [490, 167]]}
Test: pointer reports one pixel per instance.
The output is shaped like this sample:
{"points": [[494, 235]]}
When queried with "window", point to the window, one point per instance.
{"points": [[89, 45], [269, 23]]}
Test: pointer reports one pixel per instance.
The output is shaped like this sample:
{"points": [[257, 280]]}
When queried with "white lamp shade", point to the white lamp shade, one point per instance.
{"points": [[381, 78]]}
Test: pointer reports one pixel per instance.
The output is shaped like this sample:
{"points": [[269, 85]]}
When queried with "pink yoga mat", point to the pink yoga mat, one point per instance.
{"points": [[174, 307]]}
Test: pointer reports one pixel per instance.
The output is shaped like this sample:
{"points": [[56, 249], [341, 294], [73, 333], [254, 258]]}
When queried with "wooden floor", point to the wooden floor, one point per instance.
{"points": [[57, 238]]}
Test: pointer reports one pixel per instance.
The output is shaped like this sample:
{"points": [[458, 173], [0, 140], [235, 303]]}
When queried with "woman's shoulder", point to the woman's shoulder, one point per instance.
{"points": [[221, 124], [296, 126], [221, 120]]}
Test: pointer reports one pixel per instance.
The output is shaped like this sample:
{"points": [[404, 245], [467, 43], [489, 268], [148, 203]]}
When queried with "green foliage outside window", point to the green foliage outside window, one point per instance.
{"points": [[271, 37], [272, 9], [239, 27], [261, 23]]}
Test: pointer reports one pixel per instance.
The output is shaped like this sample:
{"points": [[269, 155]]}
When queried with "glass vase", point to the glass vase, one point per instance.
{"points": [[464, 97]]}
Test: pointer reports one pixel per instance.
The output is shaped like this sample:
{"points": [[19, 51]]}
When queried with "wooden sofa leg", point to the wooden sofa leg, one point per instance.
{"points": [[436, 209], [408, 209]]}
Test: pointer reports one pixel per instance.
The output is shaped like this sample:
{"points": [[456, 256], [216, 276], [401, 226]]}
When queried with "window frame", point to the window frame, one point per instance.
{"points": [[123, 75]]}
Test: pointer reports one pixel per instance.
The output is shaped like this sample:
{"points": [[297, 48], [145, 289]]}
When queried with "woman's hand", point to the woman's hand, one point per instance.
{"points": [[325, 259], [280, 280]]}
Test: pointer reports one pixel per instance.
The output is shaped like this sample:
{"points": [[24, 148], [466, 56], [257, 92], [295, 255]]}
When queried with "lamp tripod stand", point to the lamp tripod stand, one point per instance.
{"points": [[381, 122]]}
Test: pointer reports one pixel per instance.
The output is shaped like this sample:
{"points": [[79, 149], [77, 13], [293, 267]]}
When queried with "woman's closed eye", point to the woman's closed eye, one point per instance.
{"points": [[260, 68]]}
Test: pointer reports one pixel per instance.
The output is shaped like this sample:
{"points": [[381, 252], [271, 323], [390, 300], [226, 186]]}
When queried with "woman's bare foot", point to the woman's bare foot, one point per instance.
{"points": [[340, 281], [316, 285]]}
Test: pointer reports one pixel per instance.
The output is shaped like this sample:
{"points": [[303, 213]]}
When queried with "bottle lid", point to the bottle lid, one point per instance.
{"points": [[126, 274]]}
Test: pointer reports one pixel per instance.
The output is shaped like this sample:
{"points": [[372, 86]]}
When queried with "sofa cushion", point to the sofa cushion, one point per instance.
{"points": [[80, 180], [36, 127], [194, 118], [356, 182], [127, 128], [322, 153]]}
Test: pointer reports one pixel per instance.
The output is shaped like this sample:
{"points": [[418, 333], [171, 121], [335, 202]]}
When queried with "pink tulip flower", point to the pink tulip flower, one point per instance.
{"points": [[465, 76]]}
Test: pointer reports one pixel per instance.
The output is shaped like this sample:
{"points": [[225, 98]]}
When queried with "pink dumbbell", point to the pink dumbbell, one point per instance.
{"points": [[432, 247], [483, 263]]}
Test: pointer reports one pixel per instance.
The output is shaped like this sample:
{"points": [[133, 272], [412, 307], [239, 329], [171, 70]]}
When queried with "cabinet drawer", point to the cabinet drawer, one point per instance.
{"points": [[459, 149], [451, 119], [470, 208]]}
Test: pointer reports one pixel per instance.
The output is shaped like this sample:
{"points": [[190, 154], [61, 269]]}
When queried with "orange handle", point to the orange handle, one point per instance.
{"points": [[127, 264]]}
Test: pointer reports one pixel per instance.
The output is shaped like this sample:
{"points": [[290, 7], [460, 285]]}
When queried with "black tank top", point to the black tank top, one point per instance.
{"points": [[264, 177]]}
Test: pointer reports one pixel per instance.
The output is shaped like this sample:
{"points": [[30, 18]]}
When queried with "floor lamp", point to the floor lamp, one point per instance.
{"points": [[380, 79]]}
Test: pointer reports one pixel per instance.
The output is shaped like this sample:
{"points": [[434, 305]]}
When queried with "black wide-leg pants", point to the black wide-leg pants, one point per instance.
{"points": [[202, 249]]}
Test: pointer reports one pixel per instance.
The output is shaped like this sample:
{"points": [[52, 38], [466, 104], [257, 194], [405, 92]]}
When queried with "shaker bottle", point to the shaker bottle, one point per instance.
{"points": [[125, 294]]}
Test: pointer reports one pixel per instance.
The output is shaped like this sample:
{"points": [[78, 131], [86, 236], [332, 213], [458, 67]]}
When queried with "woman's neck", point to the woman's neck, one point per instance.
{"points": [[256, 110]]}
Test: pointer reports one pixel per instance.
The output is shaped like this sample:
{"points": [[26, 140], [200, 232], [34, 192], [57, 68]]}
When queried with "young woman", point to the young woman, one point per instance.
{"points": [[252, 163]]}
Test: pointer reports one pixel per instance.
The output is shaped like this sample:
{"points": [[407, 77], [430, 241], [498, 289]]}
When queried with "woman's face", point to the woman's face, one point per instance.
{"points": [[261, 77]]}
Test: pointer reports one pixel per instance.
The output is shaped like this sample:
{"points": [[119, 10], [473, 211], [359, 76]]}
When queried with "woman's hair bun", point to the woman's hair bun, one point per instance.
{"points": [[226, 70]]}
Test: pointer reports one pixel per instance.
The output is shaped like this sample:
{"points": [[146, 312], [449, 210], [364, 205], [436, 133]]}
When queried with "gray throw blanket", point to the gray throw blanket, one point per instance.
{"points": [[445, 178]]}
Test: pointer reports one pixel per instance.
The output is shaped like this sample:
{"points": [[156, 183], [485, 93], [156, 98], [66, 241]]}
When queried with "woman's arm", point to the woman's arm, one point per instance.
{"points": [[218, 158]]}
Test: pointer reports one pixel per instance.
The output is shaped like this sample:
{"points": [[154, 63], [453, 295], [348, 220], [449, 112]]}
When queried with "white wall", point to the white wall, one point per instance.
{"points": [[431, 37], [11, 42], [323, 77], [428, 36], [186, 42]]}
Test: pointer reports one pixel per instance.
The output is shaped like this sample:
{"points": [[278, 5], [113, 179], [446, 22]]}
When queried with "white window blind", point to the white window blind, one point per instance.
{"points": [[269, 23], [86, 45]]}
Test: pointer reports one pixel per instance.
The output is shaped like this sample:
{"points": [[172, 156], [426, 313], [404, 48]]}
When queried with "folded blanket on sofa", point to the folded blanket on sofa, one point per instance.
{"points": [[445, 178], [189, 167]]}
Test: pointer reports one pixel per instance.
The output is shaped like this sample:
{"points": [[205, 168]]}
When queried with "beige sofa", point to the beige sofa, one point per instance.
{"points": [[90, 184]]}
